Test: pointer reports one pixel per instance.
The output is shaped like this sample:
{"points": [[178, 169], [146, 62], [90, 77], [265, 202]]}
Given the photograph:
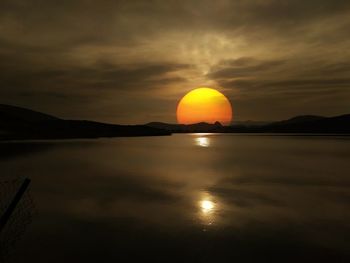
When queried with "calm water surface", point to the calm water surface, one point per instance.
{"points": [[185, 198]]}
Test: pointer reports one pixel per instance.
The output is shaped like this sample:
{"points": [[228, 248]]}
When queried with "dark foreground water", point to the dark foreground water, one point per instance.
{"points": [[185, 198]]}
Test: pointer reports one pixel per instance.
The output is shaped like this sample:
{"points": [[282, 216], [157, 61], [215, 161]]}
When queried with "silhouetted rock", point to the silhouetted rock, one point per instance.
{"points": [[218, 124]]}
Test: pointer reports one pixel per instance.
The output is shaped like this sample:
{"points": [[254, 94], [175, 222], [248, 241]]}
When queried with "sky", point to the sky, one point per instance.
{"points": [[131, 61]]}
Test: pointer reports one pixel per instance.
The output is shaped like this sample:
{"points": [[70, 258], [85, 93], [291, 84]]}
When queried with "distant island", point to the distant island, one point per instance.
{"points": [[18, 123]]}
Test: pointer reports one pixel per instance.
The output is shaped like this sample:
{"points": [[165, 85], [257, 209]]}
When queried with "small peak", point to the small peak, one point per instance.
{"points": [[217, 123]]}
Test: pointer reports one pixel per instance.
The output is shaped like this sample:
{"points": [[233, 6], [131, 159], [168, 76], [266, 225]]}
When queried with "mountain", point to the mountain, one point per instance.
{"points": [[19, 123], [300, 119], [298, 124], [183, 128], [12, 117], [14, 114], [250, 123], [311, 124]]}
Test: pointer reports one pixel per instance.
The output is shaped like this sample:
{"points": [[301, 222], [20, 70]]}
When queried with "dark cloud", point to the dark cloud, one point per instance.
{"points": [[291, 84], [70, 54], [295, 85], [243, 67]]}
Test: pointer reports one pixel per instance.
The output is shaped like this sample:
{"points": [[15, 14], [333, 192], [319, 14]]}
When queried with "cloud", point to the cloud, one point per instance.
{"points": [[73, 53], [289, 84], [243, 67]]}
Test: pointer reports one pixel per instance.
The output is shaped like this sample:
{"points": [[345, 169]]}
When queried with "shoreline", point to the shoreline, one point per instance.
{"points": [[75, 138]]}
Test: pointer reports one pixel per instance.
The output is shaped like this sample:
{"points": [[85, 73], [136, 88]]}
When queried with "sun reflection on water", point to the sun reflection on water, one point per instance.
{"points": [[202, 141], [207, 209]]}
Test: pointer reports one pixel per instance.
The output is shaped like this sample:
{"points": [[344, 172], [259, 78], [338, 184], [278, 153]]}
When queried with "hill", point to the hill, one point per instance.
{"points": [[18, 123], [15, 114], [311, 124], [183, 128], [298, 124]]}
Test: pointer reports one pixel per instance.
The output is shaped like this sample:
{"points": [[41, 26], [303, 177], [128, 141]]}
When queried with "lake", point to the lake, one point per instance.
{"points": [[184, 198]]}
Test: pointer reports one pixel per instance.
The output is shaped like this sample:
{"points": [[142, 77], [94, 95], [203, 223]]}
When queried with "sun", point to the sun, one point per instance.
{"points": [[204, 105]]}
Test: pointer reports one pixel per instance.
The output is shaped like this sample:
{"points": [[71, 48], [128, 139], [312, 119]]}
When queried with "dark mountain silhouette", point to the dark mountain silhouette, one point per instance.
{"points": [[311, 124], [250, 123], [18, 123], [299, 124], [183, 128], [303, 118], [11, 115]]}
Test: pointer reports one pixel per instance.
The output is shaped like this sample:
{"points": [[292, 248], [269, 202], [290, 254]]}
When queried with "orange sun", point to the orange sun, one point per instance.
{"points": [[204, 105]]}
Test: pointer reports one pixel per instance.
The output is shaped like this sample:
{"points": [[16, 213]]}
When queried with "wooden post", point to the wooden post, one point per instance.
{"points": [[6, 216]]}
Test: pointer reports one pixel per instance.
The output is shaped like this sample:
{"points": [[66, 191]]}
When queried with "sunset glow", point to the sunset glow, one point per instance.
{"points": [[204, 105]]}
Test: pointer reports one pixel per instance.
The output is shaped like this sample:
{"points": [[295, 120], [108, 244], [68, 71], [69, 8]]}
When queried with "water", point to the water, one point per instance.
{"points": [[185, 198]]}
